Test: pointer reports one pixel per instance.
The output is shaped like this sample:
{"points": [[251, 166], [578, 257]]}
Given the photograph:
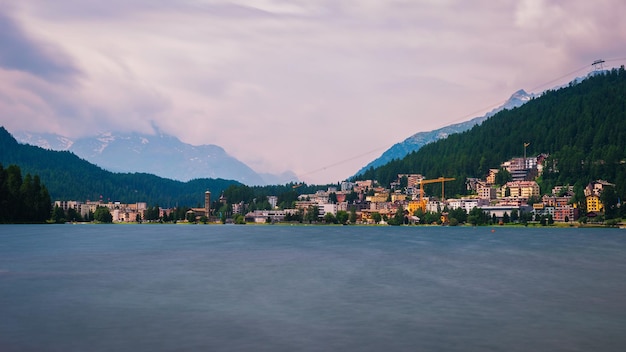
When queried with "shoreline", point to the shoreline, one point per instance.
{"points": [[617, 225]]}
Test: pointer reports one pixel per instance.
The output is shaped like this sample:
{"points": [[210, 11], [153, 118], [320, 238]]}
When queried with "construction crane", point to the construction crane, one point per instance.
{"points": [[422, 202]]}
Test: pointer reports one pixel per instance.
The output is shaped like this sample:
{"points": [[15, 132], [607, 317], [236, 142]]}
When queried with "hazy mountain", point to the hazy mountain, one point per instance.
{"points": [[68, 177], [416, 141], [162, 155]]}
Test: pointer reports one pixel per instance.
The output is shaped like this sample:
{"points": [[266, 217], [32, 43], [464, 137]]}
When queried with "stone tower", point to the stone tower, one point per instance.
{"points": [[207, 203]]}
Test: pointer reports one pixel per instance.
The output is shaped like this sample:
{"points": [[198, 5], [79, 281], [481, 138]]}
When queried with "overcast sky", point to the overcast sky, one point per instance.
{"points": [[319, 87]]}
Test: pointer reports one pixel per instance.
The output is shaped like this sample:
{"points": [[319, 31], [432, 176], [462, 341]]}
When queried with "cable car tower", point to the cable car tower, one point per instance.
{"points": [[598, 65]]}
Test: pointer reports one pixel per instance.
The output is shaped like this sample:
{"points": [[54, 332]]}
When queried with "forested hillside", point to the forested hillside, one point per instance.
{"points": [[582, 127], [68, 177], [23, 199]]}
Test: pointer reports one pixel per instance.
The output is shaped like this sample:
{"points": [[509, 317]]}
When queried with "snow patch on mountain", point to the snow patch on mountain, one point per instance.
{"points": [[45, 140], [162, 155]]}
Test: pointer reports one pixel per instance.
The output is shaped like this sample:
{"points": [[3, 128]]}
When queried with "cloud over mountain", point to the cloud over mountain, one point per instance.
{"points": [[296, 85]]}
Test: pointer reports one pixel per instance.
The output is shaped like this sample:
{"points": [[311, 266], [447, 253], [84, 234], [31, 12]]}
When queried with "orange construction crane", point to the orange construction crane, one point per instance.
{"points": [[422, 202]]}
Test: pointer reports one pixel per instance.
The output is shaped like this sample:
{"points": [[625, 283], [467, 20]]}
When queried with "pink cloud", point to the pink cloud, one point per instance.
{"points": [[307, 83]]}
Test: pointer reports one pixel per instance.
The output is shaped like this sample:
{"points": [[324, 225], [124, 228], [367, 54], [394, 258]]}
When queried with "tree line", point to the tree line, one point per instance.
{"points": [[22, 199]]}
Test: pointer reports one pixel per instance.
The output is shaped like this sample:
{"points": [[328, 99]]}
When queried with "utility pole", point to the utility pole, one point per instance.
{"points": [[525, 164]]}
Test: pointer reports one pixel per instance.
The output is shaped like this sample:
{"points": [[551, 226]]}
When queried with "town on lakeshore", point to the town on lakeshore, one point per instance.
{"points": [[507, 195], [447, 182]]}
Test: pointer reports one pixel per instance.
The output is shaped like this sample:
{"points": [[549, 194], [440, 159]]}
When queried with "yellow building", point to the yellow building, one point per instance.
{"points": [[398, 197], [523, 189], [592, 195], [415, 205], [594, 204], [491, 177], [377, 198]]}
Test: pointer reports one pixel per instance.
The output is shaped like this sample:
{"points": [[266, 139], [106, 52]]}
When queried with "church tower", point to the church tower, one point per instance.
{"points": [[207, 203]]}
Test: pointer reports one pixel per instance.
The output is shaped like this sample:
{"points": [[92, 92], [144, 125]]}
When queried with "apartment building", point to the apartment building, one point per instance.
{"points": [[522, 189], [592, 195], [467, 204], [486, 191]]}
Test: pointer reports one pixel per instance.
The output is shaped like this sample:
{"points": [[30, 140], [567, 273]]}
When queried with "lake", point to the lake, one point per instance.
{"points": [[311, 288]]}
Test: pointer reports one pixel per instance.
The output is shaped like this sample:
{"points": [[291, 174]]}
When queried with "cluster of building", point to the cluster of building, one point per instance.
{"points": [[373, 201], [521, 195], [120, 212]]}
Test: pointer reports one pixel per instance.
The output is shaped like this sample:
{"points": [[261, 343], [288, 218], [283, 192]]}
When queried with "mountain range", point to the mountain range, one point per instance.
{"points": [[137, 152], [161, 154], [581, 128]]}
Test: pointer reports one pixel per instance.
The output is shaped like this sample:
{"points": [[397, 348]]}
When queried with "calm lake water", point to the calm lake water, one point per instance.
{"points": [[310, 288]]}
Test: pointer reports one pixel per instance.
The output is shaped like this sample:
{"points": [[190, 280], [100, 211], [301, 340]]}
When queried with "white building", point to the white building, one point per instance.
{"points": [[467, 204], [499, 210], [273, 200], [262, 216], [346, 186], [434, 206], [327, 208]]}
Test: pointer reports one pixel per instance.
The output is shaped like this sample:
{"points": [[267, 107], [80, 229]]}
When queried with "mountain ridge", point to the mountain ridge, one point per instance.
{"points": [[419, 139], [178, 161]]}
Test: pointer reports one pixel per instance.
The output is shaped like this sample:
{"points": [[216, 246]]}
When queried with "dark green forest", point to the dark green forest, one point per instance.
{"points": [[22, 199], [582, 127], [68, 177]]}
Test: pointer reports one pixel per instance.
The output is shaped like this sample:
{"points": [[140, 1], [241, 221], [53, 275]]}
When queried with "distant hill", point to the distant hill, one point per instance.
{"points": [[581, 126], [161, 154], [418, 140], [69, 177]]}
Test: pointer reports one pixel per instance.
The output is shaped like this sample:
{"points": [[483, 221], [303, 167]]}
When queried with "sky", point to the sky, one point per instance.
{"points": [[318, 87]]}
